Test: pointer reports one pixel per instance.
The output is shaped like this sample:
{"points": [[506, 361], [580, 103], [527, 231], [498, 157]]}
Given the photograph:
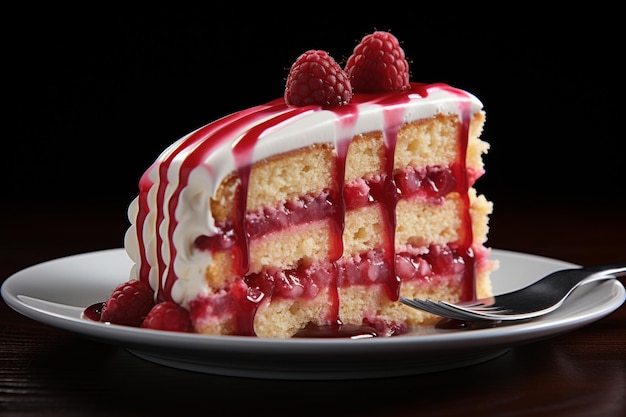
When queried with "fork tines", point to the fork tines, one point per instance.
{"points": [[435, 308]]}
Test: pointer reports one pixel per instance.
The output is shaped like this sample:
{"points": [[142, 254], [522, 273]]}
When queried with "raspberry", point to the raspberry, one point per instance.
{"points": [[378, 64], [316, 78], [128, 304], [168, 316]]}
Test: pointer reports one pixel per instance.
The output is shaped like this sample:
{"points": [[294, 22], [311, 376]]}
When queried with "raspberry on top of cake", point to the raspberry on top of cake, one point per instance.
{"points": [[315, 212]]}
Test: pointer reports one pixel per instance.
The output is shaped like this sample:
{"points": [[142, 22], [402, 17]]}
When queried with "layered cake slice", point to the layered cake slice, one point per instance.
{"points": [[312, 214]]}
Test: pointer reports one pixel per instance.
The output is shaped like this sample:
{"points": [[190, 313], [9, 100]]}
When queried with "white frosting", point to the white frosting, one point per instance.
{"points": [[193, 217]]}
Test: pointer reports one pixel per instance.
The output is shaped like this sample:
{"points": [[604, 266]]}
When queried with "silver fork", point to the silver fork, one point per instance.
{"points": [[537, 299]]}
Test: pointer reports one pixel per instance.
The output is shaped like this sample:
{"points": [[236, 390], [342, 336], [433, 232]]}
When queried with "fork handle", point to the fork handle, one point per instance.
{"points": [[568, 279], [617, 270]]}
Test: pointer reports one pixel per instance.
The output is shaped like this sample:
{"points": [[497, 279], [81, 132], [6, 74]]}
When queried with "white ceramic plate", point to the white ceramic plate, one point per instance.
{"points": [[57, 291]]}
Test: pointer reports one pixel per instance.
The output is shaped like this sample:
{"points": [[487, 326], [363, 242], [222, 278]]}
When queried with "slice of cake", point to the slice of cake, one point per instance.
{"points": [[318, 210]]}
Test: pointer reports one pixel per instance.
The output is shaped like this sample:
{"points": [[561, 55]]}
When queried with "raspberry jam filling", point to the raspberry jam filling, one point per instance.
{"points": [[242, 299], [366, 269], [431, 184]]}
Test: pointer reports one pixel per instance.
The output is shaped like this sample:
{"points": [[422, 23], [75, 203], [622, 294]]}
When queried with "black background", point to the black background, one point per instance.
{"points": [[92, 97]]}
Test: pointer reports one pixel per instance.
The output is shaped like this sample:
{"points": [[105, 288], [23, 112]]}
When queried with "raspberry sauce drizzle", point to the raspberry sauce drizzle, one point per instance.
{"points": [[460, 170], [242, 151], [208, 138], [200, 137]]}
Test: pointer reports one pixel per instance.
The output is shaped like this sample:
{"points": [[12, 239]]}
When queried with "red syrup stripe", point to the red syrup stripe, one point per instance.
{"points": [[145, 184], [242, 151], [465, 249], [205, 139], [460, 169], [223, 132], [393, 121]]}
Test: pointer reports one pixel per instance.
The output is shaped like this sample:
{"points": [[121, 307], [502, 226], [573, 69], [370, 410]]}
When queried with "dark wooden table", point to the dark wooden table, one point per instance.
{"points": [[51, 372]]}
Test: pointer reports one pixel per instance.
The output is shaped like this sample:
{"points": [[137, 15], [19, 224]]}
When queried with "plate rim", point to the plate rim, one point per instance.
{"points": [[165, 347]]}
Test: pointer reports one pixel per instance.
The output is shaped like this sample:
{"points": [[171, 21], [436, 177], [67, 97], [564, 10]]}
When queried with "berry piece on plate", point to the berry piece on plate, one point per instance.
{"points": [[128, 304], [168, 316]]}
